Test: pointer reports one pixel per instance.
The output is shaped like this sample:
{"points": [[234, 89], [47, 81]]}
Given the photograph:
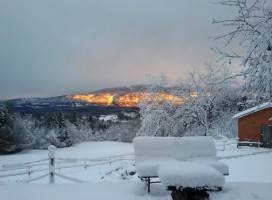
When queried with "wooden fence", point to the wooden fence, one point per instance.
{"points": [[52, 165], [222, 144]]}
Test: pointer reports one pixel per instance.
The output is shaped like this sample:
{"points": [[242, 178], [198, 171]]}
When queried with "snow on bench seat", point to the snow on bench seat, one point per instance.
{"points": [[151, 152], [214, 163], [184, 175], [149, 167]]}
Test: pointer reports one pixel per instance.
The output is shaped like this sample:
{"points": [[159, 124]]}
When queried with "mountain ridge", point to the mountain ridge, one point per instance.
{"points": [[45, 105], [104, 101]]}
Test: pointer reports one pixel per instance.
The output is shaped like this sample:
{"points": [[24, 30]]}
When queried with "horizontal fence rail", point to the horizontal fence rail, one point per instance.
{"points": [[222, 144], [248, 143]]}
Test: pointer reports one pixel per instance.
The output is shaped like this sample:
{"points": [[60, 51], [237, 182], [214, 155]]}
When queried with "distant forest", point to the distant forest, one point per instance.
{"points": [[19, 131]]}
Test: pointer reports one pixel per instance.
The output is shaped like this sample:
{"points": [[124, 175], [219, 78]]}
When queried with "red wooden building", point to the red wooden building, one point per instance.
{"points": [[255, 125]]}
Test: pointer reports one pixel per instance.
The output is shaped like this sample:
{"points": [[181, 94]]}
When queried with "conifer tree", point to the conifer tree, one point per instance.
{"points": [[63, 135]]}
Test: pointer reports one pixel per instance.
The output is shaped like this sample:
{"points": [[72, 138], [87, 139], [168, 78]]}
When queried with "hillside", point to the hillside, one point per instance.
{"points": [[68, 103], [106, 101]]}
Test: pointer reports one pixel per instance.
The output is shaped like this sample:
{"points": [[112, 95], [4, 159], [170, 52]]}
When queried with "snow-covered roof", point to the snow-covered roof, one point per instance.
{"points": [[253, 110]]}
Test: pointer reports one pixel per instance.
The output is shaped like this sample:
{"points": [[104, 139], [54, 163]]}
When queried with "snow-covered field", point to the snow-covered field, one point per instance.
{"points": [[250, 176]]}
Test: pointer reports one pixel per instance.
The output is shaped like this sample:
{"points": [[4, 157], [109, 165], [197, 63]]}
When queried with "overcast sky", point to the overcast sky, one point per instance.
{"points": [[56, 47]]}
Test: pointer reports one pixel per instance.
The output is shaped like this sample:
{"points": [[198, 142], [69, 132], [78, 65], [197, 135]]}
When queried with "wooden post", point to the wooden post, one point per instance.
{"points": [[224, 145], [29, 173], [85, 164], [148, 184], [51, 156]]}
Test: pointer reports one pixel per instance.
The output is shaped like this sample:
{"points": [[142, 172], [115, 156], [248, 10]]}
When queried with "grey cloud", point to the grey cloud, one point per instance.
{"points": [[73, 46]]}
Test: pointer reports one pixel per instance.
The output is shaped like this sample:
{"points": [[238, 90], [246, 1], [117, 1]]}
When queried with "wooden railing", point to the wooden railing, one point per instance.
{"points": [[222, 144]]}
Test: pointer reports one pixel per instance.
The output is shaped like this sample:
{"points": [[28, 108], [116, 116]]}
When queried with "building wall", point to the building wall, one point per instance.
{"points": [[249, 127]]}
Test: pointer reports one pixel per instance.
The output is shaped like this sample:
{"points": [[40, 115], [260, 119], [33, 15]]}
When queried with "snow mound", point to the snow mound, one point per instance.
{"points": [[192, 175], [219, 166], [178, 148]]}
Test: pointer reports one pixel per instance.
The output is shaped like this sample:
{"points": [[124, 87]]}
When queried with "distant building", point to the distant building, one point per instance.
{"points": [[255, 125]]}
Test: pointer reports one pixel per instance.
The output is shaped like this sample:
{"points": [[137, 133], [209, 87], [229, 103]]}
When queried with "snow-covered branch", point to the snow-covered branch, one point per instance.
{"points": [[252, 25]]}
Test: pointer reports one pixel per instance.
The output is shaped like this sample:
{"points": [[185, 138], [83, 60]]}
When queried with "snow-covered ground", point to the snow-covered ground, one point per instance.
{"points": [[250, 176]]}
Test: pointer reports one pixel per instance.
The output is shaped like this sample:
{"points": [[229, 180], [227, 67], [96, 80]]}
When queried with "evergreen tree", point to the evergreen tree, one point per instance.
{"points": [[60, 119], [49, 121], [73, 118], [6, 137], [2, 115], [63, 135], [15, 132]]}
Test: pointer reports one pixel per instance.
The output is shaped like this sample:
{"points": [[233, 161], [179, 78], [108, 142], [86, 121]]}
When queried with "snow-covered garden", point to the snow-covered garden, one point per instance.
{"points": [[250, 175]]}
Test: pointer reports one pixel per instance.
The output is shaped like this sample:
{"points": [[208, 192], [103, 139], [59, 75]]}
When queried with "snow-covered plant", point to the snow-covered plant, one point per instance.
{"points": [[251, 29], [52, 138], [15, 132], [156, 113], [209, 101], [123, 131]]}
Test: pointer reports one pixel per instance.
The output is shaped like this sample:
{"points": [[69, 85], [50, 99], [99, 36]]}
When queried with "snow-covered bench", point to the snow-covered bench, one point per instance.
{"points": [[152, 152]]}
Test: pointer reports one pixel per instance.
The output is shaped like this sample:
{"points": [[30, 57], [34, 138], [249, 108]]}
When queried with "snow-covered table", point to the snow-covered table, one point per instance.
{"points": [[152, 152], [189, 180]]}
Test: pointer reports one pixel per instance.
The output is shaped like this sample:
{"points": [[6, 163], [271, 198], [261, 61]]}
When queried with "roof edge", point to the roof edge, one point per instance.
{"points": [[252, 110]]}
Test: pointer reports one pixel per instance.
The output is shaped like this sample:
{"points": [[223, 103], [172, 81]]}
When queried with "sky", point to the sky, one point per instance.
{"points": [[51, 48]]}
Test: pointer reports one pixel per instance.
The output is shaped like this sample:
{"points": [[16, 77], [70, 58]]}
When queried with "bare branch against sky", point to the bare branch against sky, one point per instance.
{"points": [[74, 46]]}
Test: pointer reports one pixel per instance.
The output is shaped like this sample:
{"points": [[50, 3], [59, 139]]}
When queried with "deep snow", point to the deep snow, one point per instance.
{"points": [[250, 176], [189, 174]]}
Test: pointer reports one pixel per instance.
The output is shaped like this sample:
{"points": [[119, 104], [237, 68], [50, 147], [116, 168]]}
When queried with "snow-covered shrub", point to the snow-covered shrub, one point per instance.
{"points": [[15, 132], [123, 131], [209, 101]]}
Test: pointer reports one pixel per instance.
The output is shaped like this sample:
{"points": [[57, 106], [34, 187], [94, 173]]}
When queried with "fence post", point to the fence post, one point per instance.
{"points": [[85, 164], [224, 145], [29, 173], [51, 157]]}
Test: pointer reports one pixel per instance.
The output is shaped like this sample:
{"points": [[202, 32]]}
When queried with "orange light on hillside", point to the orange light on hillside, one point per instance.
{"points": [[130, 99], [99, 98]]}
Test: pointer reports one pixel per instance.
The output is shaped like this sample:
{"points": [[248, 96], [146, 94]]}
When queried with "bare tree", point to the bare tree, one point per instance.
{"points": [[251, 28], [156, 111], [210, 103], [207, 102]]}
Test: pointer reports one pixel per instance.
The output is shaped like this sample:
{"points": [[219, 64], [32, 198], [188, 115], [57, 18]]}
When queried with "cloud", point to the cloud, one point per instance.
{"points": [[72, 46]]}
